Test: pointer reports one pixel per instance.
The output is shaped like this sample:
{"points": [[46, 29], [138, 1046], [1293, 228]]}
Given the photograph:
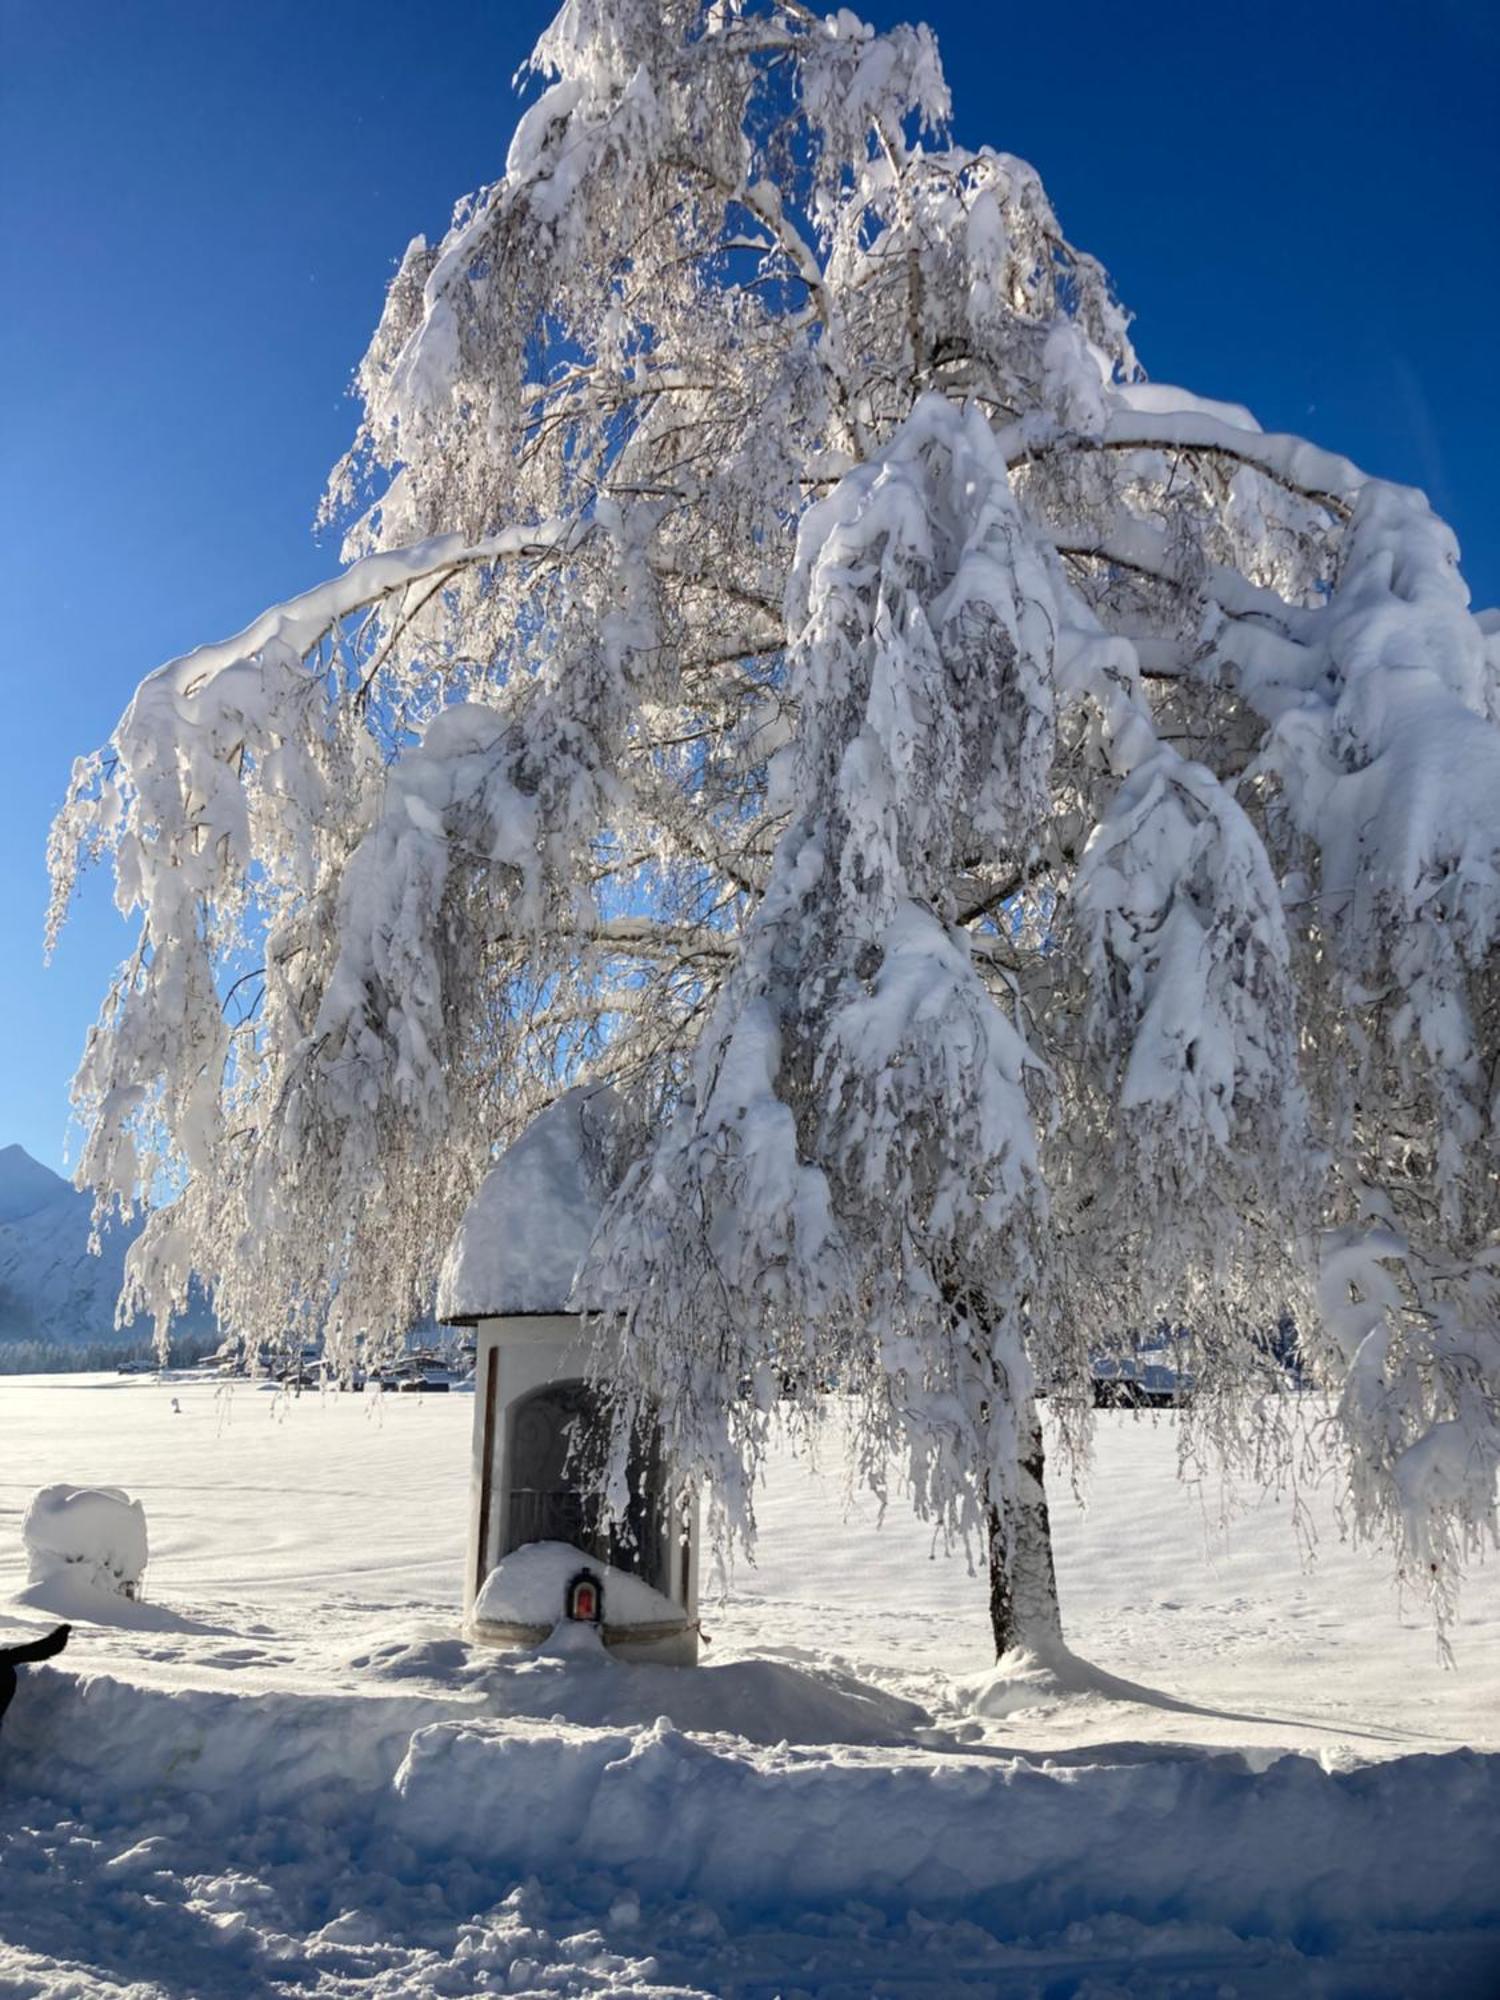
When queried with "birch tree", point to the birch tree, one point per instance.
{"points": [[1023, 842]]}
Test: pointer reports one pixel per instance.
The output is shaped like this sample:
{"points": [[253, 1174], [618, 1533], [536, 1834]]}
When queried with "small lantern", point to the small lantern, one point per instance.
{"points": [[585, 1599]]}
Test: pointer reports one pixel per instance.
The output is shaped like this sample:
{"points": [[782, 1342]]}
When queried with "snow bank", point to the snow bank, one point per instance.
{"points": [[245, 1753], [1292, 1850], [94, 1535], [240, 1756], [523, 1237], [530, 1585]]}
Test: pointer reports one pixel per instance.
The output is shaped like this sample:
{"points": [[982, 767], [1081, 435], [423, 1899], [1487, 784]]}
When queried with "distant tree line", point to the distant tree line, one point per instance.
{"points": [[56, 1357]]}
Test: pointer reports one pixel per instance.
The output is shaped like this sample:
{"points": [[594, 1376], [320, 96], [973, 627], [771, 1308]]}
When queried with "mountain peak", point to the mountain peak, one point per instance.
{"points": [[26, 1185]]}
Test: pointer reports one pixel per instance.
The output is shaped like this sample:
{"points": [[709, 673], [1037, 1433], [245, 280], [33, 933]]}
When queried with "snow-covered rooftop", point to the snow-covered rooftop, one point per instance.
{"points": [[525, 1233]]}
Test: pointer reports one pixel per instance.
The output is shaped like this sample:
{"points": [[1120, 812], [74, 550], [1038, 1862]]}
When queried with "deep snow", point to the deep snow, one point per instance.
{"points": [[307, 1783]]}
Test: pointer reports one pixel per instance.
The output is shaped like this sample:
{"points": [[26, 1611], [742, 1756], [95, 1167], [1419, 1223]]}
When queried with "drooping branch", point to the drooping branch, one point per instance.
{"points": [[1321, 477]]}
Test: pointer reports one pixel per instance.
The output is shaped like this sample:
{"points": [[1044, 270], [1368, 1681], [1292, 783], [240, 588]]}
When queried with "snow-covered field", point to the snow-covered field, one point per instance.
{"points": [[288, 1775]]}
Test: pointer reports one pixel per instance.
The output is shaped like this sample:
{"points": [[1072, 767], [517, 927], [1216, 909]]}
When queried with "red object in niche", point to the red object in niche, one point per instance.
{"points": [[585, 1602]]}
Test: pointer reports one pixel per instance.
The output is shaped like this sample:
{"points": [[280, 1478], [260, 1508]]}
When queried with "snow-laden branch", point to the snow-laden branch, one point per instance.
{"points": [[1124, 543], [301, 624], [1320, 476]]}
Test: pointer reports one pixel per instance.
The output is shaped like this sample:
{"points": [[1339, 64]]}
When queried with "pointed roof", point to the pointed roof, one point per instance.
{"points": [[527, 1230]]}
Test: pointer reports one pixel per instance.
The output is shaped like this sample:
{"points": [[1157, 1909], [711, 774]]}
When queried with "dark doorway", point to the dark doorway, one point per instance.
{"points": [[556, 1436]]}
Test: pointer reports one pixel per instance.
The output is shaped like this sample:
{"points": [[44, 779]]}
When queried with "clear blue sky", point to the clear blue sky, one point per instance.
{"points": [[200, 205]]}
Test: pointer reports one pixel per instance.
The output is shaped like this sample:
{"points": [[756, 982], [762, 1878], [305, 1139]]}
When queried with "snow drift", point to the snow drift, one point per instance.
{"points": [[1291, 1850], [95, 1535]]}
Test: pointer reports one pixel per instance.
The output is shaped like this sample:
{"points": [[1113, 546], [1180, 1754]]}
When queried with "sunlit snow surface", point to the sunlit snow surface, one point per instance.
{"points": [[302, 1782]]}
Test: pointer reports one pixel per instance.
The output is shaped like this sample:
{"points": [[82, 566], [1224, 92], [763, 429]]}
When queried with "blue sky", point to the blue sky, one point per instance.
{"points": [[200, 206]]}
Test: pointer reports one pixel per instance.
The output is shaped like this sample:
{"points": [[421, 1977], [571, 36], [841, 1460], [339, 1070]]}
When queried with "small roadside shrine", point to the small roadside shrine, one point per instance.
{"points": [[540, 1549]]}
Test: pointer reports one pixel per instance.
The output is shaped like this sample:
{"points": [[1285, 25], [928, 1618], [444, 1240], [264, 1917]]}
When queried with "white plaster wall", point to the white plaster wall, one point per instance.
{"points": [[530, 1351]]}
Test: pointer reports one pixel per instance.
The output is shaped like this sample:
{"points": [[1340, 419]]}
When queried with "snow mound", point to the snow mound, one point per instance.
{"points": [[94, 1535], [767, 1702], [1286, 1851], [761, 1700], [530, 1585], [69, 1594], [239, 1756], [1029, 1680], [524, 1235]]}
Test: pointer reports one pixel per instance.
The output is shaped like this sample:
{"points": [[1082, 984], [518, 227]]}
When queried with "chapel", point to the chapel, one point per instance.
{"points": [[536, 1534]]}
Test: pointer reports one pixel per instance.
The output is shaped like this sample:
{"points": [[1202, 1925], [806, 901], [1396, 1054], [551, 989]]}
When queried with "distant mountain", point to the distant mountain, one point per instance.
{"points": [[52, 1291], [26, 1185]]}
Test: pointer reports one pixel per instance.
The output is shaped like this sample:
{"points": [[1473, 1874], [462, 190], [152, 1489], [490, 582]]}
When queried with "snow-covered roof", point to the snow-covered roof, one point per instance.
{"points": [[525, 1233]]}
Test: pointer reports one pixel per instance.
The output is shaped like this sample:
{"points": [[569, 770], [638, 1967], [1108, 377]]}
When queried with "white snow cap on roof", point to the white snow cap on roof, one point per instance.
{"points": [[525, 1233]]}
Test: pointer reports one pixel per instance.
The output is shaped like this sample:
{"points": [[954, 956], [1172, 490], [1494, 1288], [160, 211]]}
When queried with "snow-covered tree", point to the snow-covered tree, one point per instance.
{"points": [[1023, 842]]}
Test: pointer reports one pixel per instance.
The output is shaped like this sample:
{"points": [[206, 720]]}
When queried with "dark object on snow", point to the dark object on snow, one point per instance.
{"points": [[12, 1657]]}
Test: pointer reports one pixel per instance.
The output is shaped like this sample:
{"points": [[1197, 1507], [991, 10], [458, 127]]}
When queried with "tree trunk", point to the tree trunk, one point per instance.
{"points": [[1024, 1612]]}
